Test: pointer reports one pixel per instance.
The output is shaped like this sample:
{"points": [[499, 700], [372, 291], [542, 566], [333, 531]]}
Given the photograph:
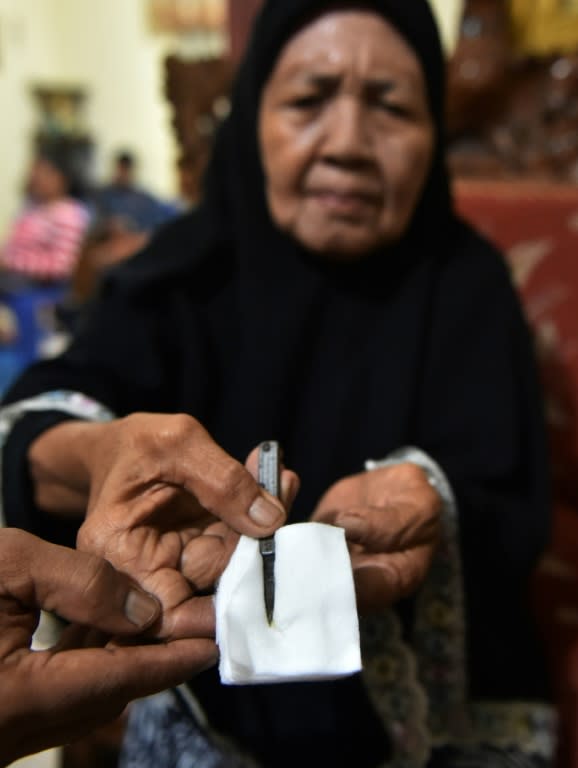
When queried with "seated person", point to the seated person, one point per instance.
{"points": [[124, 217], [43, 244], [323, 294], [123, 204], [39, 257]]}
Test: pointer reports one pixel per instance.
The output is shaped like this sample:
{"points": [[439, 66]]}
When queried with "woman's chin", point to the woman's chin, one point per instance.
{"points": [[342, 245]]}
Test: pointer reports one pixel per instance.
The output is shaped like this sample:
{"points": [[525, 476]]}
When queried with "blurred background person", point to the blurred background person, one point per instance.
{"points": [[39, 255], [123, 205], [124, 217], [42, 246]]}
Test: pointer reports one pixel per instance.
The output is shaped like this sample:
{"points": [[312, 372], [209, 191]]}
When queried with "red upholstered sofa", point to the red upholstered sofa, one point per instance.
{"points": [[536, 225]]}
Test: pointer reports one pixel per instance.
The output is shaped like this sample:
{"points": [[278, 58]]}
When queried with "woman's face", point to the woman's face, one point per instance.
{"points": [[345, 134], [45, 182]]}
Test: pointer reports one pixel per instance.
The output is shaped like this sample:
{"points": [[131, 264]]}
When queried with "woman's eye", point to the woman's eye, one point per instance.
{"points": [[394, 108], [307, 102]]}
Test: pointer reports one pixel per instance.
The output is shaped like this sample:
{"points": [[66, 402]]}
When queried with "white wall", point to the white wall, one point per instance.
{"points": [[25, 50], [107, 47], [448, 14]]}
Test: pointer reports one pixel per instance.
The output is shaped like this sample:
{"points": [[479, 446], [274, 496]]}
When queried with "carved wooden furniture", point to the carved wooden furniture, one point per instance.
{"points": [[510, 115], [198, 91], [241, 15]]}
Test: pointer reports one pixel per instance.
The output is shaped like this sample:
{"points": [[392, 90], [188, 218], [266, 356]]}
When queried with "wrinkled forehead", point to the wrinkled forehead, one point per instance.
{"points": [[283, 21], [350, 40]]}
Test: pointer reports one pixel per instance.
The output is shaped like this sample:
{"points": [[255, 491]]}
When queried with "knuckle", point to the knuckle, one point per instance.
{"points": [[432, 500], [165, 427], [14, 541], [345, 483], [18, 550], [429, 517], [339, 489], [180, 426], [413, 474], [232, 482], [129, 422], [99, 577], [88, 536], [436, 501]]}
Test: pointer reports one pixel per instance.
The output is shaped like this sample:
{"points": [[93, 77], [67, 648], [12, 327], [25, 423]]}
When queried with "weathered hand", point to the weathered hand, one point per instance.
{"points": [[391, 520], [166, 506], [50, 697]]}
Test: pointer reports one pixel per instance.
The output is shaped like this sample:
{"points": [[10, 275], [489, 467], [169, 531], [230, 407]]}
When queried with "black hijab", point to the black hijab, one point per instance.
{"points": [[423, 343]]}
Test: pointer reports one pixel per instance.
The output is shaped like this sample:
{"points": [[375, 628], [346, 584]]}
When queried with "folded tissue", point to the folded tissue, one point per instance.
{"points": [[314, 634]]}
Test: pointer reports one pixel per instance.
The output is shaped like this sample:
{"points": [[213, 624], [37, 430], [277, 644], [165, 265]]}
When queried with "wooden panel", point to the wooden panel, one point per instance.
{"points": [[241, 15], [198, 92]]}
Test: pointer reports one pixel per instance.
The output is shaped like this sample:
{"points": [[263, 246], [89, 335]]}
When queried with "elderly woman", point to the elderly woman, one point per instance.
{"points": [[323, 294]]}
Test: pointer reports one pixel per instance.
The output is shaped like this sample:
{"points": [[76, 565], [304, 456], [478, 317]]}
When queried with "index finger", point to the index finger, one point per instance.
{"points": [[222, 485], [394, 528], [70, 692]]}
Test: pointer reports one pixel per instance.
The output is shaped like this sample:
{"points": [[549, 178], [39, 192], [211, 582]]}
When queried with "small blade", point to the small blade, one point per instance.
{"points": [[269, 479], [267, 550]]}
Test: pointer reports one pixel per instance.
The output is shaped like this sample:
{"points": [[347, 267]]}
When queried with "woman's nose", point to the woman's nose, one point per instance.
{"points": [[347, 136]]}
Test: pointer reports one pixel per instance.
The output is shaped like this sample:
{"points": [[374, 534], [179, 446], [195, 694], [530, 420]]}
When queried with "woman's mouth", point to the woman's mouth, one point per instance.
{"points": [[345, 203]]}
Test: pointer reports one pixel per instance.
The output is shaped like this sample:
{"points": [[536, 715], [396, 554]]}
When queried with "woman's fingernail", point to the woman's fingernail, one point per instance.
{"points": [[264, 513], [140, 608]]}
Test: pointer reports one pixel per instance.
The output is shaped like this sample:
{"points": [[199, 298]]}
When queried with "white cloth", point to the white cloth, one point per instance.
{"points": [[315, 631]]}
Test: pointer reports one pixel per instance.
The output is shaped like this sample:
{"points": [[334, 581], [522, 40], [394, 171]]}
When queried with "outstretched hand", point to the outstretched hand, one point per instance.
{"points": [[391, 518], [50, 697]]}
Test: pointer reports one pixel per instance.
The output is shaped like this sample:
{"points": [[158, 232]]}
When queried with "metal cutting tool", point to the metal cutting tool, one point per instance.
{"points": [[269, 477]]}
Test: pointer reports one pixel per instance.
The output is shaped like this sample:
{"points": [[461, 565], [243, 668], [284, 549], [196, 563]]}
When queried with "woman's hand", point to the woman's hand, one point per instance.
{"points": [[391, 518], [50, 697], [166, 505]]}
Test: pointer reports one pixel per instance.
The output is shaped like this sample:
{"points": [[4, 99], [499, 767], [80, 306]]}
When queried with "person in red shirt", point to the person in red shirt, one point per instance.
{"points": [[39, 257], [44, 242]]}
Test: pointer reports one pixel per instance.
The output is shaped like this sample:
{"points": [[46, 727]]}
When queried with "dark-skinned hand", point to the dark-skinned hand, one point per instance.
{"points": [[391, 518], [53, 696]]}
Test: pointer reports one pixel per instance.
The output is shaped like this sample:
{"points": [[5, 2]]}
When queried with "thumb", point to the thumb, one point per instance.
{"points": [[77, 586]]}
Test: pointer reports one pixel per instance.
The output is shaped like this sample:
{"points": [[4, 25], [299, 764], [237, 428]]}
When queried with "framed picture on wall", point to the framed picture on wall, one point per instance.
{"points": [[60, 121], [60, 111]]}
